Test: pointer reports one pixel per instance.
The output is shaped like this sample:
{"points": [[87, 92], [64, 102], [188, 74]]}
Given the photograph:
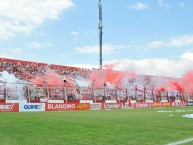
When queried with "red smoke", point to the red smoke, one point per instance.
{"points": [[174, 85], [183, 84], [162, 89], [170, 85], [187, 80], [109, 76], [50, 78]]}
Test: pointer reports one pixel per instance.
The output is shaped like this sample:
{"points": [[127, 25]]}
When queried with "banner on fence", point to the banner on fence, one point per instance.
{"points": [[160, 104], [142, 105], [31, 107], [112, 106], [177, 104], [9, 107], [67, 106], [95, 106], [128, 105], [189, 103]]}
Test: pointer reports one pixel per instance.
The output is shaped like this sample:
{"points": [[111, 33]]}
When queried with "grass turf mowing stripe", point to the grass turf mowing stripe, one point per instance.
{"points": [[181, 142]]}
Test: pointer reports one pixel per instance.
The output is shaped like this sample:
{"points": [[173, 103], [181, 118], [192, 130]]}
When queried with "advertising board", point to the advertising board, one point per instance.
{"points": [[128, 105], [66, 106], [160, 104], [142, 105], [95, 106], [177, 104], [112, 106], [190, 103], [31, 107], [9, 107]]}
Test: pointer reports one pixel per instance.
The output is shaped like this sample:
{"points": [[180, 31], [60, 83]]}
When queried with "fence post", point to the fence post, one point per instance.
{"points": [[47, 91], [28, 94], [5, 91]]}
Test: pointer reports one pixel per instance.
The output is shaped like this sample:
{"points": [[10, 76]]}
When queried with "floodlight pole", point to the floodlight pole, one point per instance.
{"points": [[100, 34]]}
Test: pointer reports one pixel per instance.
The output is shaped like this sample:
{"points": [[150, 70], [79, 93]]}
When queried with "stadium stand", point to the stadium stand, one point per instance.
{"points": [[26, 70]]}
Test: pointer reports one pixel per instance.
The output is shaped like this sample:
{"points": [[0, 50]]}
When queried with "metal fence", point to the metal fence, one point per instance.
{"points": [[24, 91]]}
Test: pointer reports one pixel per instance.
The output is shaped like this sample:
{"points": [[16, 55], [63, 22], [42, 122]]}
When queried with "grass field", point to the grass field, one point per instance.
{"points": [[113, 127]]}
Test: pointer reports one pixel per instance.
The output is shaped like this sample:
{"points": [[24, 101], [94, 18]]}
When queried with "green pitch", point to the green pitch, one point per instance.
{"points": [[112, 127]]}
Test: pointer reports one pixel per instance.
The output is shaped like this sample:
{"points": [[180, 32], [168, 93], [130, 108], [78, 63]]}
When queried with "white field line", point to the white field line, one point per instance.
{"points": [[181, 142]]}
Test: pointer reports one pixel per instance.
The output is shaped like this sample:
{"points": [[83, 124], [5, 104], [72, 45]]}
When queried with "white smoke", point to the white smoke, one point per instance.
{"points": [[6, 77], [14, 86]]}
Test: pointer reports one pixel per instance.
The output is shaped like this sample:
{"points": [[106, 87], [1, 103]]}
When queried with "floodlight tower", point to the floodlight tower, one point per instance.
{"points": [[100, 35]]}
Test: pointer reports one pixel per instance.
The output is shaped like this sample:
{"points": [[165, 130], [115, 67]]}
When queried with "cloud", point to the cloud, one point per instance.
{"points": [[33, 57], [23, 16], [182, 5], [187, 56], [87, 33], [183, 40], [74, 33], [63, 55], [38, 45], [4, 56], [156, 44], [162, 4], [138, 6], [88, 66], [35, 45], [87, 49], [159, 67], [92, 49], [154, 66], [16, 50]]}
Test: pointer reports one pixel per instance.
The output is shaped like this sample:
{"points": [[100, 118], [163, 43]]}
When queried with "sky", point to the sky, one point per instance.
{"points": [[152, 37]]}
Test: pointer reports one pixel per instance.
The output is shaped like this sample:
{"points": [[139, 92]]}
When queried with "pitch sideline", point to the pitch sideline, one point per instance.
{"points": [[181, 142]]}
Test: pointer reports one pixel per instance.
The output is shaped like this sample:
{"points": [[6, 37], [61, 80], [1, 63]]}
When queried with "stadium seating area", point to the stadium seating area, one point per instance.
{"points": [[26, 70]]}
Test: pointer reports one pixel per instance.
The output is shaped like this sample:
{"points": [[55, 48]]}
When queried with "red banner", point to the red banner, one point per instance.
{"points": [[112, 106], [160, 104], [9, 107], [95, 106], [142, 105], [177, 104], [67, 106], [128, 105]]}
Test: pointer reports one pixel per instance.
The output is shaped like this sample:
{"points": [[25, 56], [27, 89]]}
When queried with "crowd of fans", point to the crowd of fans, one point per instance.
{"points": [[73, 72], [26, 70]]}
